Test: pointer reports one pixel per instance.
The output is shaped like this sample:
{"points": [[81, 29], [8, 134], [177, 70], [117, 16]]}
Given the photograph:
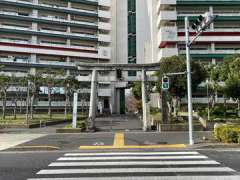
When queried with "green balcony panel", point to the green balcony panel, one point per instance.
{"points": [[5, 30], [47, 21], [208, 56], [207, 3], [219, 18], [53, 9]]}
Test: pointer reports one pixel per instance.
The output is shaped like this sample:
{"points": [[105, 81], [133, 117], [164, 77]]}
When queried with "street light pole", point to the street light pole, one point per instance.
{"points": [[189, 82]]}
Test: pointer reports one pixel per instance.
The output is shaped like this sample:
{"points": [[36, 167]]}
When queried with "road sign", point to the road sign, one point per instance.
{"points": [[165, 83]]}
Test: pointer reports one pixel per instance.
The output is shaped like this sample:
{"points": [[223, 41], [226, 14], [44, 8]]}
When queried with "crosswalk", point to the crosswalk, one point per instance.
{"points": [[178, 165]]}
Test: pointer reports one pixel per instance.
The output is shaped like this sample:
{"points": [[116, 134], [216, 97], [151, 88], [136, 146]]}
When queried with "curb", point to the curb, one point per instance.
{"points": [[34, 148], [214, 146]]}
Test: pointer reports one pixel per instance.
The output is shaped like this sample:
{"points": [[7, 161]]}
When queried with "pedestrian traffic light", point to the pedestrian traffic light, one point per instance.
{"points": [[165, 83]]}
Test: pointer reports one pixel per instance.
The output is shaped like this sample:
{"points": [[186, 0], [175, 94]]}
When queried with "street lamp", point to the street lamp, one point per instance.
{"points": [[201, 24]]}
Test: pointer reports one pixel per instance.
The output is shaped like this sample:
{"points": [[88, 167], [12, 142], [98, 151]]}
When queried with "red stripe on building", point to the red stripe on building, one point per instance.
{"points": [[167, 43], [46, 47]]}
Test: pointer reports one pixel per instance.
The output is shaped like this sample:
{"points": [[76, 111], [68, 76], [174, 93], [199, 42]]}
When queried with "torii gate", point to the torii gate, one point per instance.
{"points": [[143, 68]]}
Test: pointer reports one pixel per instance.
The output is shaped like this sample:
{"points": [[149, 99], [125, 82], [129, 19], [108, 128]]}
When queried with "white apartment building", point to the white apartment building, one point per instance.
{"points": [[167, 29], [59, 34]]}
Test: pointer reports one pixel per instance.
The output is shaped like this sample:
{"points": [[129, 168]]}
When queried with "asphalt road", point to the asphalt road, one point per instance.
{"points": [[25, 165], [69, 142]]}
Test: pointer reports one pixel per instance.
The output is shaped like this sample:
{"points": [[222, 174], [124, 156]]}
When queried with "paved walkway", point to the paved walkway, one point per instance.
{"points": [[119, 123], [11, 140]]}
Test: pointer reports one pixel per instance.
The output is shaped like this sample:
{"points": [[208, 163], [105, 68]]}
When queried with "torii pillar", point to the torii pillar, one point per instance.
{"points": [[93, 97], [144, 101]]}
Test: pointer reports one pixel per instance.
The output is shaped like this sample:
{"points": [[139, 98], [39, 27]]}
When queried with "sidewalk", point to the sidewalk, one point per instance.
{"points": [[11, 140]]}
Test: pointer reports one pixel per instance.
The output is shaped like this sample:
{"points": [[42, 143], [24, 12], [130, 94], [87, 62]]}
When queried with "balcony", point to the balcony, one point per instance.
{"points": [[49, 7], [164, 4], [104, 14], [41, 63], [105, 3], [104, 38], [104, 52], [52, 20], [28, 31], [213, 38], [104, 26], [166, 16], [167, 34], [216, 52], [167, 52]]}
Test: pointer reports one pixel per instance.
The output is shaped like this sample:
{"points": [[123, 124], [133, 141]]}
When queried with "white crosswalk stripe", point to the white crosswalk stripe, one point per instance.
{"points": [[179, 165]]}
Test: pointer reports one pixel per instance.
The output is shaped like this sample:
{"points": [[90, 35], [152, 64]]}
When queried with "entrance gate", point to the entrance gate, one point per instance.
{"points": [[115, 77]]}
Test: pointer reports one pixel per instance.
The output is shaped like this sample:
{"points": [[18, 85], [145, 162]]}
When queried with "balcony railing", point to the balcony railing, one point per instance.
{"points": [[55, 6], [50, 19], [49, 31]]}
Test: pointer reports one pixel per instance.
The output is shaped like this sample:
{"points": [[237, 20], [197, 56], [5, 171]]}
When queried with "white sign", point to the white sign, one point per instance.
{"points": [[75, 106]]}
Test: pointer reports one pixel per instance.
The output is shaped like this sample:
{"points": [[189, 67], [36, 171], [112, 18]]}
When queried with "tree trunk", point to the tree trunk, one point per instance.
{"points": [[27, 108], [15, 109], [21, 101], [238, 101], [164, 108], [225, 105], [49, 103], [31, 106], [176, 103], [3, 107], [66, 106]]}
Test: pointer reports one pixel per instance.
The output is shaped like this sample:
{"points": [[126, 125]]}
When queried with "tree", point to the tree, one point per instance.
{"points": [[15, 81], [4, 85], [70, 84], [178, 83], [33, 82], [51, 79], [22, 82], [232, 81], [228, 73]]}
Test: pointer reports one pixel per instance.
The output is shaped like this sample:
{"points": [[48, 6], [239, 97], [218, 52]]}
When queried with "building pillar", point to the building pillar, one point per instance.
{"points": [[144, 101], [69, 28], [93, 96], [68, 61]]}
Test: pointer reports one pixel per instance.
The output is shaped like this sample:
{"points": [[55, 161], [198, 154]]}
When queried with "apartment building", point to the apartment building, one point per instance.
{"points": [[57, 34], [221, 39]]}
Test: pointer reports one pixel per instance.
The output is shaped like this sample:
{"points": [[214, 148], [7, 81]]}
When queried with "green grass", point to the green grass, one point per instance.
{"points": [[21, 118], [157, 117]]}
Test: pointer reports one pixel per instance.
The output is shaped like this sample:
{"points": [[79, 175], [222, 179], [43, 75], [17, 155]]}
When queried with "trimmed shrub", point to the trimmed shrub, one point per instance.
{"points": [[227, 133]]}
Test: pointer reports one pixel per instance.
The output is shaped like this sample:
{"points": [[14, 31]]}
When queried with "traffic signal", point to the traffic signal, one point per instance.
{"points": [[165, 83], [198, 23], [203, 21]]}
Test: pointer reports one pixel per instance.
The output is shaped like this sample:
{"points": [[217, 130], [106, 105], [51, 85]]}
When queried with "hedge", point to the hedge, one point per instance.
{"points": [[227, 133]]}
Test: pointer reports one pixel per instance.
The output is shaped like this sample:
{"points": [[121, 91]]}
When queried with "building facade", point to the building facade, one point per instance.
{"points": [[219, 40], [56, 34]]}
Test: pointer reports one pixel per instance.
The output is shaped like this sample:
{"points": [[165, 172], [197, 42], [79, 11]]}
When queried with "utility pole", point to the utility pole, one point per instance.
{"points": [[189, 82], [201, 24]]}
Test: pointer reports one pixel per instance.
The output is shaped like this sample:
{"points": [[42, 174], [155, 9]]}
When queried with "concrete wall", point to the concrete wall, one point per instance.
{"points": [[122, 31], [143, 24]]}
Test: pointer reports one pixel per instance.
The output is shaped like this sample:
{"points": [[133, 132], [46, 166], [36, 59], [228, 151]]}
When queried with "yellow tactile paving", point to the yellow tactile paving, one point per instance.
{"points": [[119, 144], [118, 140]]}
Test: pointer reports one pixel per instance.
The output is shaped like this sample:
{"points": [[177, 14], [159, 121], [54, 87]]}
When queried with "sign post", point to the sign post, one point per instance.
{"points": [[75, 106]]}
